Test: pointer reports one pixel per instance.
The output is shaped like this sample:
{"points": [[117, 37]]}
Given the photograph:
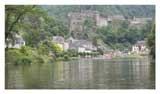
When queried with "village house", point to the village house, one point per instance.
{"points": [[140, 20], [17, 43], [81, 45], [139, 47], [59, 40], [116, 18]]}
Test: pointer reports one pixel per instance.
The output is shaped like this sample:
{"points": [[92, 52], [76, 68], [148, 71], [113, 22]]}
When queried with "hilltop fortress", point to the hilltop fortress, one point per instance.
{"points": [[77, 20]]}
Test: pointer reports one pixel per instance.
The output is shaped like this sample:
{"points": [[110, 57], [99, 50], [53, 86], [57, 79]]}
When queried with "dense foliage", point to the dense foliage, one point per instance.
{"points": [[118, 34], [37, 28], [151, 42], [124, 36], [33, 23]]}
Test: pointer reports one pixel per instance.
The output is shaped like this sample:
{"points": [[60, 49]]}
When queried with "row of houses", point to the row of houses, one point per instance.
{"points": [[78, 45], [137, 48], [88, 47], [140, 47], [70, 43]]}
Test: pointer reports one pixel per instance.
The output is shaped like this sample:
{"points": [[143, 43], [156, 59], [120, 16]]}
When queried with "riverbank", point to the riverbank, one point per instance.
{"points": [[131, 56], [27, 55]]}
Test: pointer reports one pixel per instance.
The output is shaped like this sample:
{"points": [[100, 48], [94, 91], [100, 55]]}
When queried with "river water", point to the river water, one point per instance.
{"points": [[82, 74]]}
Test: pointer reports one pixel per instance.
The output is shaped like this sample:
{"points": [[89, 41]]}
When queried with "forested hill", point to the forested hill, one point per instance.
{"points": [[117, 35], [60, 12], [37, 26]]}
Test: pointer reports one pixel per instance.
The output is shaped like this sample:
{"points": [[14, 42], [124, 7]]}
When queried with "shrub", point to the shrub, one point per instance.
{"points": [[66, 57], [24, 60], [39, 59], [12, 55]]}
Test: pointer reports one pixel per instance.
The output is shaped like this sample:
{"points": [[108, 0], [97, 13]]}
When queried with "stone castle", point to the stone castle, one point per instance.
{"points": [[76, 20]]}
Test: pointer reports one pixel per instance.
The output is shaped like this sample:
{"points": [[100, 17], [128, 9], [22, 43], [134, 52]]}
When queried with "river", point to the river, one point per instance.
{"points": [[82, 74]]}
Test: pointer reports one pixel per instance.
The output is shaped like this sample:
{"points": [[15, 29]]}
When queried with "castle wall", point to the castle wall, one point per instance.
{"points": [[76, 20]]}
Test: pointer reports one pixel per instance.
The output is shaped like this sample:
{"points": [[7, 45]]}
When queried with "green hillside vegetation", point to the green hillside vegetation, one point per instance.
{"points": [[37, 28], [151, 42], [124, 36], [118, 35]]}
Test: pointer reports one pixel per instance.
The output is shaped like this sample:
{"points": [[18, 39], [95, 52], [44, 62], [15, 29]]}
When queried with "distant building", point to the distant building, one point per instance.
{"points": [[65, 46], [77, 19], [17, 43], [139, 47], [59, 40], [102, 22], [140, 20], [116, 18], [81, 45]]}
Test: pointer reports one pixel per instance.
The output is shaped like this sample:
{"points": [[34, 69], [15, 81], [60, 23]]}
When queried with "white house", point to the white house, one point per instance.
{"points": [[81, 45], [139, 47], [61, 42], [18, 42]]}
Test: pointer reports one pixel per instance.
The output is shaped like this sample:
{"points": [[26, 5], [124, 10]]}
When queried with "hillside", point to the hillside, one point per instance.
{"points": [[118, 35], [61, 12]]}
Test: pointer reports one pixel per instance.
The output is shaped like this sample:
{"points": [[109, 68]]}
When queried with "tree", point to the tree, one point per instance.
{"points": [[101, 52], [43, 49], [89, 25], [95, 41], [56, 49], [13, 16], [32, 22], [72, 53], [151, 42], [124, 36]]}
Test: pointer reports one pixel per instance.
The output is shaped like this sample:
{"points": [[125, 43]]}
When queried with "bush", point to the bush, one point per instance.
{"points": [[24, 60], [12, 55], [66, 57], [26, 50], [51, 59], [39, 59]]}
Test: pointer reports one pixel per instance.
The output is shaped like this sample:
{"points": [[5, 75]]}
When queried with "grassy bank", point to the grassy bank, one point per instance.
{"points": [[131, 56], [26, 55]]}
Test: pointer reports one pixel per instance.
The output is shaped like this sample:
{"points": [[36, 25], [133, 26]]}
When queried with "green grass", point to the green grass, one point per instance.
{"points": [[131, 56]]}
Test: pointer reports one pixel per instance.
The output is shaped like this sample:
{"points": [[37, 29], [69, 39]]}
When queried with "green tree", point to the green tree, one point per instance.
{"points": [[89, 25], [124, 36], [100, 51], [13, 15], [95, 41], [56, 49], [151, 42]]}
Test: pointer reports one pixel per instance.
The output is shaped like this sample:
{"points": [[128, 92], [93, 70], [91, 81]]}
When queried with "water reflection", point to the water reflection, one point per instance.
{"points": [[83, 74]]}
